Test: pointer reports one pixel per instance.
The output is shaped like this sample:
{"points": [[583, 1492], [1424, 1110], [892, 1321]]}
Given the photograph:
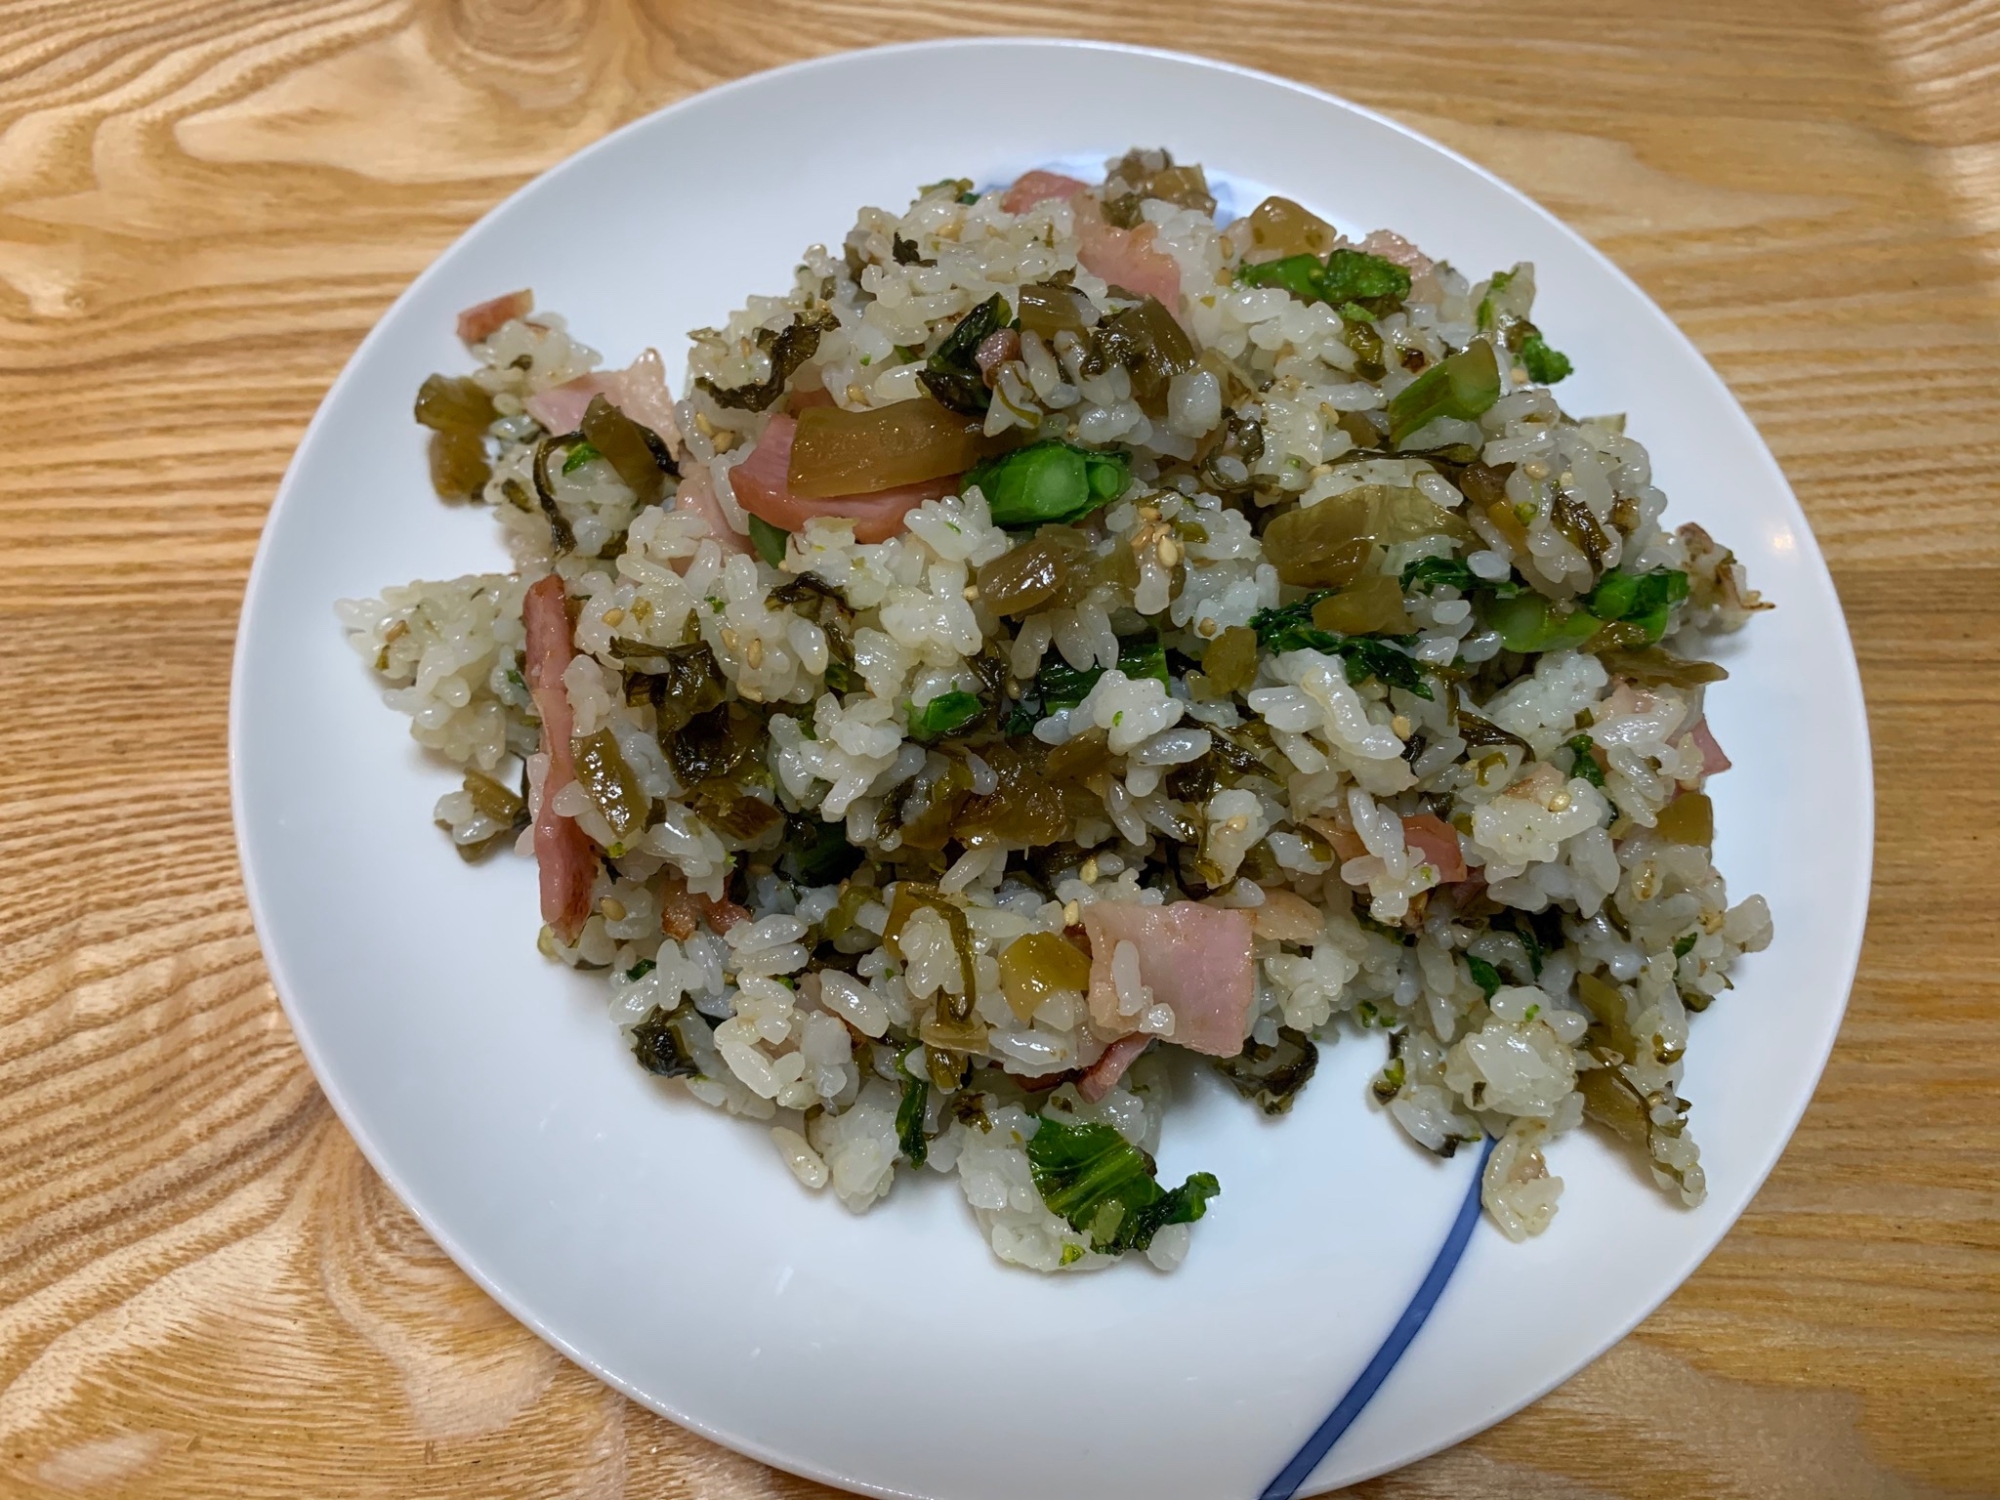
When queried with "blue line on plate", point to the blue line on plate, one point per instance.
{"points": [[1370, 1380]]}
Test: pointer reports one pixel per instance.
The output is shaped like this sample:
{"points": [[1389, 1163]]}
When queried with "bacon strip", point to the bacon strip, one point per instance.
{"points": [[563, 851], [1195, 959], [480, 322]]}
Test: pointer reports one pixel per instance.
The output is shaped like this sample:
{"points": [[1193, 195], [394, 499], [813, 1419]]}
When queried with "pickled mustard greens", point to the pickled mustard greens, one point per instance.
{"points": [[841, 452], [789, 348], [1271, 1074], [1152, 346], [636, 453], [1048, 309], [951, 374], [458, 412]]}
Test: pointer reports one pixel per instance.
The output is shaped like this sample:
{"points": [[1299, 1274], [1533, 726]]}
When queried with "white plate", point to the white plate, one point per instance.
{"points": [[662, 1245]]}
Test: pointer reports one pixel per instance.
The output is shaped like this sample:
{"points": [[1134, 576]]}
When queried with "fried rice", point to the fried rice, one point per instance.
{"points": [[1062, 640]]}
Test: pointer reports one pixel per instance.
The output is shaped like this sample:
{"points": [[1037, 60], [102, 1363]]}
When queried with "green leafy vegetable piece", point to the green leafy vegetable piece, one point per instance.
{"points": [[1645, 600], [1428, 573], [1289, 627], [1545, 366], [1367, 280], [1586, 764], [947, 713], [1461, 385], [1529, 623], [640, 970], [910, 1139], [1500, 282], [1063, 686], [1020, 719], [1484, 975], [1106, 1187], [1049, 481], [1298, 274], [769, 540], [952, 374], [1346, 278], [1684, 946]]}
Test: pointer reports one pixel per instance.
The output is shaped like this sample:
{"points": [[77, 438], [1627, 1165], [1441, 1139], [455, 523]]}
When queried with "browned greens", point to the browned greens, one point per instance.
{"points": [[790, 347]]}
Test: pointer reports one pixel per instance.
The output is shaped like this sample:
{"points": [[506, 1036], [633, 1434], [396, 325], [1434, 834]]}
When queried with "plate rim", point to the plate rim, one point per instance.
{"points": [[1848, 685]]}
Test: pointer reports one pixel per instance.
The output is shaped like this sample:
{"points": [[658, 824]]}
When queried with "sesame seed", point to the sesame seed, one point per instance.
{"points": [[1169, 551], [1401, 726], [971, 591], [613, 909], [1534, 468], [753, 654], [1088, 874], [614, 617], [1559, 802], [1072, 914]]}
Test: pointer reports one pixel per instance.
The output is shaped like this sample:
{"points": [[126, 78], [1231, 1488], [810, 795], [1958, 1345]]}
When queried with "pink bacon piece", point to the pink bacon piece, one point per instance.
{"points": [[563, 851]]}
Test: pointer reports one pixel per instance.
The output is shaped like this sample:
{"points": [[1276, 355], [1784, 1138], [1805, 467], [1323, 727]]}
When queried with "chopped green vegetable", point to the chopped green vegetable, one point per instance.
{"points": [[1428, 573], [1461, 385], [640, 970], [679, 681], [1642, 600], [1289, 628], [952, 374], [1049, 481], [947, 713], [1368, 283], [1298, 274], [769, 541], [1271, 1076], [1545, 366], [910, 1138], [789, 348], [1529, 623], [1500, 282], [1063, 686], [1684, 946], [1484, 975], [1586, 764], [1354, 276], [1106, 1187], [580, 455]]}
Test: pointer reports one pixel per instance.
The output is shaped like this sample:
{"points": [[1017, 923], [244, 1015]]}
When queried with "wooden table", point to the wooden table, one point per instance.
{"points": [[205, 1292]]}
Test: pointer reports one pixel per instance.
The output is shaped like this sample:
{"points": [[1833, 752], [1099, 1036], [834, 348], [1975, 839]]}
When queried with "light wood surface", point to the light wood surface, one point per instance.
{"points": [[204, 204]]}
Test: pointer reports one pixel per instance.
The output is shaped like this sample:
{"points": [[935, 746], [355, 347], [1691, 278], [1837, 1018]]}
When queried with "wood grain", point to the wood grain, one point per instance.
{"points": [[203, 206]]}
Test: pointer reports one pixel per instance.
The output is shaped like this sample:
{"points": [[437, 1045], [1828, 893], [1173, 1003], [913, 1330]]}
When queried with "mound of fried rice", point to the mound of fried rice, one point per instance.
{"points": [[1063, 640]]}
